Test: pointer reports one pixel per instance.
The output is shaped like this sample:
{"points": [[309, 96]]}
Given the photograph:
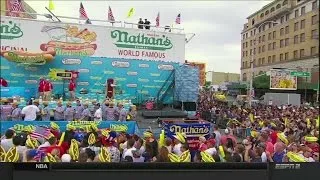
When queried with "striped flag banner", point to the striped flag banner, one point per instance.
{"points": [[110, 15], [14, 7], [40, 132], [178, 19], [158, 20], [82, 12]]}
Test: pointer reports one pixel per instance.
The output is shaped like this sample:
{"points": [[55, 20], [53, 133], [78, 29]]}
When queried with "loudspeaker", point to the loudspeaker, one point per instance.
{"points": [[190, 106]]}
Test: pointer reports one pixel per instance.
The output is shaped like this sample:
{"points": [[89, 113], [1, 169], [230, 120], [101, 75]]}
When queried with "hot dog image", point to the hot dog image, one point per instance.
{"points": [[69, 40], [28, 57]]}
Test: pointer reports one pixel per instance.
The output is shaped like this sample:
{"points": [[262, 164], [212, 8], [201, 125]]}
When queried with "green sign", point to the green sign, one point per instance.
{"points": [[10, 30], [300, 74], [140, 41]]}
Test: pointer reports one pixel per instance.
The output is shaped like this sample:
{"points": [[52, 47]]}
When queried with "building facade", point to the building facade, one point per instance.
{"points": [[282, 34], [218, 78]]}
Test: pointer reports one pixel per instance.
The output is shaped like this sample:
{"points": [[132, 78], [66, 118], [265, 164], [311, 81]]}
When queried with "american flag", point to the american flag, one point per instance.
{"points": [[158, 20], [40, 132], [178, 19], [110, 15], [15, 6], [82, 12]]}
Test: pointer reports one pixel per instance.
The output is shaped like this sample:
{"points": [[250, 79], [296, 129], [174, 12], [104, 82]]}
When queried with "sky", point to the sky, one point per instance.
{"points": [[217, 24]]}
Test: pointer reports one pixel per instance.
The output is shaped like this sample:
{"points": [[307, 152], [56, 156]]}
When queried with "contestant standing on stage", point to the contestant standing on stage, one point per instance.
{"points": [[41, 87], [72, 89], [48, 90], [3, 82]]}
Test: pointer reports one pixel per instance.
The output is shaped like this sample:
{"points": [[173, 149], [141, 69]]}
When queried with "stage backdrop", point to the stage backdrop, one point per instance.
{"points": [[91, 40], [136, 79]]}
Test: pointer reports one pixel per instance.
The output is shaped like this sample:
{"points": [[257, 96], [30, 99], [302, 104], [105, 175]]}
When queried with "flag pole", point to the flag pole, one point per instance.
{"points": [[52, 14]]}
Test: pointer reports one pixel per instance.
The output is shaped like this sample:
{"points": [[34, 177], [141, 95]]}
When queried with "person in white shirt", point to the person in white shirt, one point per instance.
{"points": [[7, 142], [30, 112], [211, 149], [98, 113], [129, 149], [218, 135], [137, 156], [179, 139]]}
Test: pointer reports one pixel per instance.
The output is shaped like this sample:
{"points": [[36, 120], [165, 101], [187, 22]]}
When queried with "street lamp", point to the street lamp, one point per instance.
{"points": [[252, 58]]}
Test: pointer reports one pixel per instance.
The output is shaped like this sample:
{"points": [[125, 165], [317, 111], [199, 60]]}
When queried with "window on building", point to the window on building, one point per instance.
{"points": [[303, 10], [269, 46], [286, 56], [274, 34], [273, 58], [281, 57], [314, 34], [246, 35], [251, 33], [301, 53], [314, 5], [314, 20], [259, 51], [262, 60], [285, 2], [243, 45], [269, 36], [296, 39], [302, 24], [287, 29], [281, 43], [259, 39], [313, 51], [269, 24], [261, 15], [278, 6], [243, 65], [254, 32], [286, 42], [250, 52], [243, 53], [254, 50], [302, 37], [272, 9], [274, 45], [263, 27], [269, 59], [259, 61], [296, 13], [244, 77], [267, 12], [260, 28], [246, 53], [282, 19], [287, 17], [243, 36], [281, 31], [296, 26], [295, 54], [263, 48], [263, 38], [250, 42], [246, 44], [246, 64]]}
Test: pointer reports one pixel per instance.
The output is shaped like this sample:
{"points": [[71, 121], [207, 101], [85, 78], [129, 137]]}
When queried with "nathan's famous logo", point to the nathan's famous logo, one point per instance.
{"points": [[10, 30], [190, 131], [119, 127], [70, 40], [140, 41]]}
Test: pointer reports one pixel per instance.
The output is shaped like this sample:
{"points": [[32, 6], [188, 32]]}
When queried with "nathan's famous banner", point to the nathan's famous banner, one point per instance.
{"points": [[202, 71], [129, 127], [90, 40], [192, 130], [282, 79]]}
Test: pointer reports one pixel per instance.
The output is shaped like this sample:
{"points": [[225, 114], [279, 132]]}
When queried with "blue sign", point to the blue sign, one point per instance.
{"points": [[136, 79], [192, 130], [130, 126], [18, 91]]}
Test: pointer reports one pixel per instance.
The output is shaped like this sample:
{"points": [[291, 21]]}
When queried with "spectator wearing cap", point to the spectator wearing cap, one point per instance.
{"points": [[69, 112], [179, 139], [16, 112], [225, 141], [150, 139], [86, 114], [7, 143], [78, 110], [98, 113], [45, 112], [211, 147], [59, 112]]}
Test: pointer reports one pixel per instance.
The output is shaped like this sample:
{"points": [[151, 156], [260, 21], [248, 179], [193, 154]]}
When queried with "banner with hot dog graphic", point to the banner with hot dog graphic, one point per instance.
{"points": [[81, 40]]}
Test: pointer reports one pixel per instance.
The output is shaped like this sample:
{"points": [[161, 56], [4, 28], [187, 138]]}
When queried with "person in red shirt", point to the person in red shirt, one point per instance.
{"points": [[224, 138], [41, 86], [72, 89], [48, 89], [3, 82]]}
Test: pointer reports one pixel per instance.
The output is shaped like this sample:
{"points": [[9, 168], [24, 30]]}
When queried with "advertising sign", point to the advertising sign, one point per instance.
{"points": [[202, 71], [90, 40], [282, 79], [192, 130], [129, 127]]}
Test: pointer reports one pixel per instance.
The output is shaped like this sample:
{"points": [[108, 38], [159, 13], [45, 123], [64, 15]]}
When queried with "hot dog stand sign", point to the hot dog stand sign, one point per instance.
{"points": [[70, 40]]}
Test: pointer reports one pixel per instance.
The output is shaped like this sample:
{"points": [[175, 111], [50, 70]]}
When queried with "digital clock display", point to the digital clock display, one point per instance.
{"points": [[64, 75]]}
